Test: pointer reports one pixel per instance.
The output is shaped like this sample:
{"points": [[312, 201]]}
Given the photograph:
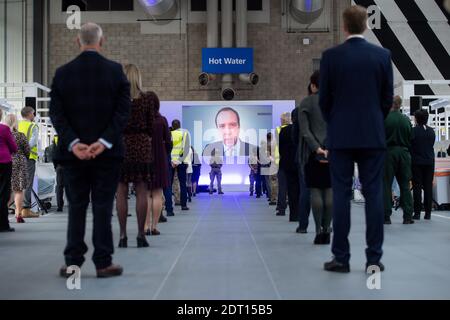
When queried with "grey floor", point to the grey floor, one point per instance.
{"points": [[230, 247]]}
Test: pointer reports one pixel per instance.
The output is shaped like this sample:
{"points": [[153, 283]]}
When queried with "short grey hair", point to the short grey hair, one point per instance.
{"points": [[90, 34], [286, 118], [397, 104]]}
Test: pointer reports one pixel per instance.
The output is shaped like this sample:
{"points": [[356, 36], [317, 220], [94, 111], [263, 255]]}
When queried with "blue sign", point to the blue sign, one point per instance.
{"points": [[227, 60]]}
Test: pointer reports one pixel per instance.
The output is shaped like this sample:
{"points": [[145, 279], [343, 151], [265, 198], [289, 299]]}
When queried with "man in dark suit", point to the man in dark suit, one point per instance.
{"points": [[228, 123], [356, 92], [288, 163], [90, 106]]}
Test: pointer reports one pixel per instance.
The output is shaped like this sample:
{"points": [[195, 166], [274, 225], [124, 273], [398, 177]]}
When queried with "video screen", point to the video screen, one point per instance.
{"points": [[228, 135]]}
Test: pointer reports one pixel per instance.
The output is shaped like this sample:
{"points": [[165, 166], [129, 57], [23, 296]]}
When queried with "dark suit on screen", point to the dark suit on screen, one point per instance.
{"points": [[245, 149]]}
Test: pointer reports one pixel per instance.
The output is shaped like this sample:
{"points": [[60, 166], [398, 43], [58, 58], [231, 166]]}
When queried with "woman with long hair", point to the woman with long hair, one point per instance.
{"points": [[19, 178], [161, 148], [137, 165]]}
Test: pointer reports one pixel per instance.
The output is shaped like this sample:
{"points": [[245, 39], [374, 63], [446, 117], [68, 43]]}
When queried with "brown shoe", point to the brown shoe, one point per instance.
{"points": [[111, 271], [27, 213], [34, 214]]}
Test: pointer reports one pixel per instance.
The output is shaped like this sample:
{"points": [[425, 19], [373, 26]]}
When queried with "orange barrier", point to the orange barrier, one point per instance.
{"points": [[442, 167], [442, 173]]}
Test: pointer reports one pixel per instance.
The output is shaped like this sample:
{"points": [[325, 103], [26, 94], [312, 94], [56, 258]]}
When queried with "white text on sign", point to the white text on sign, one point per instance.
{"points": [[227, 61]]}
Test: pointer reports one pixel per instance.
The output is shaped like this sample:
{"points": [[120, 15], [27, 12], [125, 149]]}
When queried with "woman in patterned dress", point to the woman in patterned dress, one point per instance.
{"points": [[137, 165], [19, 178]]}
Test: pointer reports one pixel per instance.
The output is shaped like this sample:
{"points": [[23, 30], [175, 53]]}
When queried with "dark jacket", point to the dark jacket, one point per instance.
{"points": [[288, 148], [245, 149], [49, 153], [398, 130], [90, 99], [356, 93], [312, 128], [422, 145]]}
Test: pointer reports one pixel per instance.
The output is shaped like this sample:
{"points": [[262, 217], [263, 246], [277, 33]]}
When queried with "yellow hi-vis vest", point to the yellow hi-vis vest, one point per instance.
{"points": [[277, 148], [55, 139], [179, 141], [26, 127]]}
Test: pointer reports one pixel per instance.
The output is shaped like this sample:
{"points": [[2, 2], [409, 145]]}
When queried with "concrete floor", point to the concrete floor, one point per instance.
{"points": [[230, 247]]}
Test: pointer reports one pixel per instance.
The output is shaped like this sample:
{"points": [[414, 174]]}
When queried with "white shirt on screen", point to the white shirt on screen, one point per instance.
{"points": [[232, 151]]}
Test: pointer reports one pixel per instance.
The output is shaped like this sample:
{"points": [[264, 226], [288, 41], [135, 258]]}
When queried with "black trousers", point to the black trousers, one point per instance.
{"points": [[59, 187], [422, 180], [182, 177], [264, 189], [258, 183], [5, 192], [95, 181], [168, 191], [371, 170], [293, 190], [282, 190]]}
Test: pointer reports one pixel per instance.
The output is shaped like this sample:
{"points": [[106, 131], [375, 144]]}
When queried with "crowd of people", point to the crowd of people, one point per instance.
{"points": [[111, 135]]}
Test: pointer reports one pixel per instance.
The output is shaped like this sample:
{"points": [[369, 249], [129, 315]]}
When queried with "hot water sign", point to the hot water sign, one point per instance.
{"points": [[227, 60]]}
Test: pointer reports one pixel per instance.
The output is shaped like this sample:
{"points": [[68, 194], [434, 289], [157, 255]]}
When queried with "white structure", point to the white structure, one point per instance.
{"points": [[439, 121], [14, 103]]}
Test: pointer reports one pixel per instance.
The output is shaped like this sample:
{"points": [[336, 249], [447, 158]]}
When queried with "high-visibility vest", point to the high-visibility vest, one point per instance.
{"points": [[55, 139], [277, 143], [179, 141], [26, 127]]}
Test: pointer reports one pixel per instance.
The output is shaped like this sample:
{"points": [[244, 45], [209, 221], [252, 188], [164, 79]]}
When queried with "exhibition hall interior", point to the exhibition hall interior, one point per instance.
{"points": [[224, 150]]}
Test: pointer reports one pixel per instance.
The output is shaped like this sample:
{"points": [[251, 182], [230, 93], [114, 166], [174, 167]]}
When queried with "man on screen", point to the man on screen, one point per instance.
{"points": [[228, 124]]}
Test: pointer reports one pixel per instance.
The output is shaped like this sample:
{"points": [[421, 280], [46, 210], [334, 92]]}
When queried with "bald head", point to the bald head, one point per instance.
{"points": [[286, 118], [90, 36]]}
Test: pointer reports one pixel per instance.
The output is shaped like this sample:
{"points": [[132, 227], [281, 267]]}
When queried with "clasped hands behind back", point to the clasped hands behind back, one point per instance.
{"points": [[88, 152]]}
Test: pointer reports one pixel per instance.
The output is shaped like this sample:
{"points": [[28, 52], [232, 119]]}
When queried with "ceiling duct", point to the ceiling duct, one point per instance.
{"points": [[228, 92], [306, 11], [212, 36], [162, 11], [241, 37]]}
